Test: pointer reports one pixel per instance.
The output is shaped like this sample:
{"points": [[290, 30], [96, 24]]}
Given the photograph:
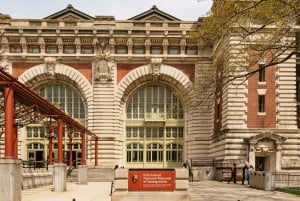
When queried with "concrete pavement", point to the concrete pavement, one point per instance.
{"points": [[200, 191]]}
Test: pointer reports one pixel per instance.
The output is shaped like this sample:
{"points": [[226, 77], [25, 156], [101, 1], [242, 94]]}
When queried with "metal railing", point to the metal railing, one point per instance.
{"points": [[203, 162], [34, 164], [288, 180], [191, 175]]}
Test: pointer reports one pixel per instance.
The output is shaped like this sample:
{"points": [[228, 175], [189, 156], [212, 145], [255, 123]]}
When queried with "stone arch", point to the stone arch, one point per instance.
{"points": [[143, 75], [38, 74]]}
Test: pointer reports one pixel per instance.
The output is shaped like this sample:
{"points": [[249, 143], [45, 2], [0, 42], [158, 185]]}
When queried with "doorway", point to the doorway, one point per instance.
{"points": [[260, 163]]}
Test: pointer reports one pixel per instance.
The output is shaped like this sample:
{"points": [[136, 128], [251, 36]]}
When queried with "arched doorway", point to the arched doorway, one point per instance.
{"points": [[154, 128]]}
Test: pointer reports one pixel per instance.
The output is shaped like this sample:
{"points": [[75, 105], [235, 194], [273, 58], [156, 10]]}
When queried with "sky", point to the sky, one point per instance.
{"points": [[187, 10]]}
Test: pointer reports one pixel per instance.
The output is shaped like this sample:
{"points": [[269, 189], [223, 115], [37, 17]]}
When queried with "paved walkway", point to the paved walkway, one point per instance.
{"points": [[200, 191]]}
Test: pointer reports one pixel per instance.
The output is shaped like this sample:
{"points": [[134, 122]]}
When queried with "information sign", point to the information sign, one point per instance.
{"points": [[151, 180]]}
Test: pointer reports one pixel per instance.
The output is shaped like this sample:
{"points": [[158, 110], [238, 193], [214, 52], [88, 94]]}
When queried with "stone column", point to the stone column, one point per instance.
{"points": [[10, 180], [60, 177], [252, 154], [278, 157], [82, 174]]}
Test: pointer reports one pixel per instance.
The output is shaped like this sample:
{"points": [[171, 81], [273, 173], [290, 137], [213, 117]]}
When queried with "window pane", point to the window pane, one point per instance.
{"points": [[121, 50], [261, 73], [191, 50], [69, 49], [87, 49], [51, 49], [174, 50], [33, 49], [139, 50], [261, 103], [156, 50], [15, 49]]}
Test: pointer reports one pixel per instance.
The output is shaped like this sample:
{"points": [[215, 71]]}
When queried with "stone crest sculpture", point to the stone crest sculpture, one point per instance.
{"points": [[50, 63], [5, 63], [102, 63], [156, 64]]}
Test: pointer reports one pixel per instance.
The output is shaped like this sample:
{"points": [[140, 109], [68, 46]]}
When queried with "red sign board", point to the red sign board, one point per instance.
{"points": [[151, 180]]}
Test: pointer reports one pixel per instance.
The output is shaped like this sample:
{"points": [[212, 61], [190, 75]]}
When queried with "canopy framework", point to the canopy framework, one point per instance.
{"points": [[21, 106]]}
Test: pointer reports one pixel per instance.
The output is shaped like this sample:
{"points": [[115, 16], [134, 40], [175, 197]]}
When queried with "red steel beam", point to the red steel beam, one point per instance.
{"points": [[60, 141], [83, 149], [28, 97], [9, 123]]}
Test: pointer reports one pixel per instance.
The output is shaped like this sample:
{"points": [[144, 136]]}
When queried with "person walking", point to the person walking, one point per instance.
{"points": [[245, 169], [233, 174], [247, 176]]}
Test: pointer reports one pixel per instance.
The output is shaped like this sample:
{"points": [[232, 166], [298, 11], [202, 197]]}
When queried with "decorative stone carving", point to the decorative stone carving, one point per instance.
{"points": [[102, 63], [50, 63], [4, 44], [5, 63], [156, 64], [41, 43], [59, 43], [23, 43]]}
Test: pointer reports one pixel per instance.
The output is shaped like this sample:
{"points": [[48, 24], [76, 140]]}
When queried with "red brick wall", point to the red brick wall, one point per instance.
{"points": [[269, 119], [83, 68], [123, 69]]}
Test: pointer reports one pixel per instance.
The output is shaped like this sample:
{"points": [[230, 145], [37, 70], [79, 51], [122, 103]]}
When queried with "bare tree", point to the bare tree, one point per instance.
{"points": [[246, 33]]}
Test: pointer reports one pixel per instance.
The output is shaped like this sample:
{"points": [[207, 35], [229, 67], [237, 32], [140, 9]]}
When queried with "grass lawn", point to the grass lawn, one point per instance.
{"points": [[292, 190]]}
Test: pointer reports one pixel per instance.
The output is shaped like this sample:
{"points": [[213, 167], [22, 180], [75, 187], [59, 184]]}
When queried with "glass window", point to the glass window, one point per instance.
{"points": [[139, 50], [174, 50], [154, 153], [156, 50], [261, 103], [29, 132], [87, 49], [65, 97], [69, 49], [51, 49], [15, 49], [261, 73], [121, 50], [174, 153], [191, 50], [135, 153], [33, 49], [154, 108], [158, 102]]}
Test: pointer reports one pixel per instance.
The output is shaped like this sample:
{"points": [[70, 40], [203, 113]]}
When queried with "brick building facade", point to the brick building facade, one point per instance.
{"points": [[129, 81]]}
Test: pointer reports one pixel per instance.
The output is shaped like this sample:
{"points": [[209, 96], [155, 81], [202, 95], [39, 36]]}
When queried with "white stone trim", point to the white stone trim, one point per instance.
{"points": [[261, 91], [40, 74], [173, 76]]}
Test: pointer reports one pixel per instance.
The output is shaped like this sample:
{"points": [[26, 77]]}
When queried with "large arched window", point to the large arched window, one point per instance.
{"points": [[67, 99], [154, 128]]}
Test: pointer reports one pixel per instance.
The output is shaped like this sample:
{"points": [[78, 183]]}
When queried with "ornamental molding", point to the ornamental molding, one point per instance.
{"points": [[103, 63]]}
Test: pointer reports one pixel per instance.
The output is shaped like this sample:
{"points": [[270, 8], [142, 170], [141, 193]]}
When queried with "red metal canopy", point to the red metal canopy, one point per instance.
{"points": [[29, 98]]}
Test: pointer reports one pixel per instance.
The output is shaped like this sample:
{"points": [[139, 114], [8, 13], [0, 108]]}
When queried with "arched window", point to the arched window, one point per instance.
{"points": [[155, 103], [155, 119], [65, 97]]}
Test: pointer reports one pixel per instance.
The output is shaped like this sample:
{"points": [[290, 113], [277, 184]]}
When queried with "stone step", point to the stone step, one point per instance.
{"points": [[94, 175]]}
